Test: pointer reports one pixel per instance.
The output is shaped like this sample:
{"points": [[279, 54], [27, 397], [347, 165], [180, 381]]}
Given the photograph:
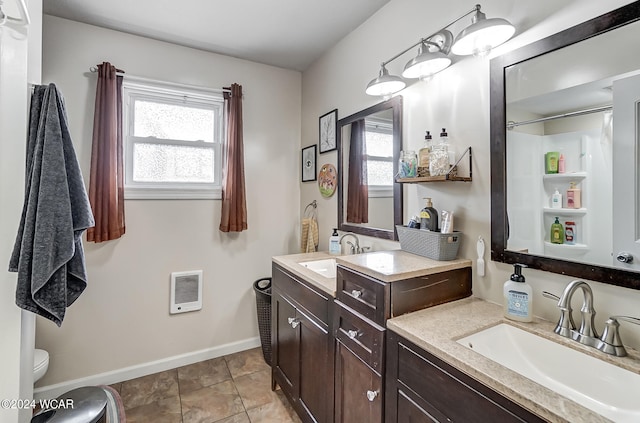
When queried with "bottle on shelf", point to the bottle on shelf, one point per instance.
{"points": [[408, 166], [561, 168], [557, 232], [423, 155], [439, 157], [551, 162], [556, 200], [451, 150], [570, 232], [574, 200]]}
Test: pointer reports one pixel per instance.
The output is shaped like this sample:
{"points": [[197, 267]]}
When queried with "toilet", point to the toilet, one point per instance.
{"points": [[40, 364]]}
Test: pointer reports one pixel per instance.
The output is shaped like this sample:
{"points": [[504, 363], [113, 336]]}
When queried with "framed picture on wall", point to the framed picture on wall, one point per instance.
{"points": [[309, 163], [328, 129]]}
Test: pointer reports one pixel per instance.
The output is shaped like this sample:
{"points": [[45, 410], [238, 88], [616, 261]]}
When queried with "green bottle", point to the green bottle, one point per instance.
{"points": [[557, 232]]}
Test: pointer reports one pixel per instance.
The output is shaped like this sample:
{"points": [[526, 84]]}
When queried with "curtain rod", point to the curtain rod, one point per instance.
{"points": [[93, 69], [512, 124]]}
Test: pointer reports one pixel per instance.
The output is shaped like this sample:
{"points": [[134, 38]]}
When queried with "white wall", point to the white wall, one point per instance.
{"points": [[457, 99], [122, 319]]}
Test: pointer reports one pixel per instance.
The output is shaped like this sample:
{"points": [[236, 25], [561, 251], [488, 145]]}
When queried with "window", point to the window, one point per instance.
{"points": [[379, 148], [173, 140]]}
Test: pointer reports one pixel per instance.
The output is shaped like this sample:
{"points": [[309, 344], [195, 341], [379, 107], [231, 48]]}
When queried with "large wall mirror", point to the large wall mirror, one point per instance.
{"points": [[565, 138], [369, 144]]}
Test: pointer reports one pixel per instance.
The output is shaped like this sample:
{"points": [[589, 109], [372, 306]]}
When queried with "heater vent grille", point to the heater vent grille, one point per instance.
{"points": [[186, 291]]}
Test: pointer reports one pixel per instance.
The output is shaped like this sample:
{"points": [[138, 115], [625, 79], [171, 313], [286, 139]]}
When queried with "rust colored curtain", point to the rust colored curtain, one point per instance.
{"points": [[234, 207], [358, 189], [106, 185]]}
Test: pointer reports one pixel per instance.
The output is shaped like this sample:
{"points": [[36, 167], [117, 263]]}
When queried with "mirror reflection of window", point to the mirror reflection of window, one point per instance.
{"points": [[379, 157]]}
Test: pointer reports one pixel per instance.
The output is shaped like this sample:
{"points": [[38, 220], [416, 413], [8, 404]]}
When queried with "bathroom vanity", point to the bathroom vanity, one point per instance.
{"points": [[329, 334], [386, 339]]}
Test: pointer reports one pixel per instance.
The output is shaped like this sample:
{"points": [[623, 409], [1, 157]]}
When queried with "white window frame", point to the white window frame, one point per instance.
{"points": [[379, 125], [168, 93]]}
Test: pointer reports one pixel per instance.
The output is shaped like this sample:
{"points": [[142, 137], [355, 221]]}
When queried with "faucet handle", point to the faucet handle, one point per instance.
{"points": [[610, 341], [550, 295], [627, 319]]}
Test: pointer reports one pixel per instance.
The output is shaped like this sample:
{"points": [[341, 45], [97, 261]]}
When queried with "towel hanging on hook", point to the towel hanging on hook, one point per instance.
{"points": [[309, 231]]}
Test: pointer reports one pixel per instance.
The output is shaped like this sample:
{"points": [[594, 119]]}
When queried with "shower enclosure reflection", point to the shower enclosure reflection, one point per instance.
{"points": [[555, 99]]}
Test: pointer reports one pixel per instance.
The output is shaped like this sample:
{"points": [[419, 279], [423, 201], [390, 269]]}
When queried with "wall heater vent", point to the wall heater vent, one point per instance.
{"points": [[186, 291]]}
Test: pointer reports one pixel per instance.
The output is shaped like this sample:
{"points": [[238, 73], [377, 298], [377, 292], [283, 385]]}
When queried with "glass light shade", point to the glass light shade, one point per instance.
{"points": [[385, 84], [426, 64], [482, 35]]}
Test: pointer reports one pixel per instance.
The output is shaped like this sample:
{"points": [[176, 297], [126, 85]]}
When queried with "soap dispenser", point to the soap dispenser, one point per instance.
{"points": [[334, 242], [518, 297], [429, 217]]}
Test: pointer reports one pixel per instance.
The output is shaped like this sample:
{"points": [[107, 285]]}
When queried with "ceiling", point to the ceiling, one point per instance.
{"points": [[290, 34]]}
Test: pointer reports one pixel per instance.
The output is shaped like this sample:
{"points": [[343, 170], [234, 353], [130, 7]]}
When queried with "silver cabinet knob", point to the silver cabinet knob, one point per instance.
{"points": [[624, 257], [371, 395], [294, 322], [352, 334], [356, 293]]}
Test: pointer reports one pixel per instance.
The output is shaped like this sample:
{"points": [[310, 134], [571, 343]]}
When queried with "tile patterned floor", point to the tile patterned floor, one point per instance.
{"points": [[230, 389]]}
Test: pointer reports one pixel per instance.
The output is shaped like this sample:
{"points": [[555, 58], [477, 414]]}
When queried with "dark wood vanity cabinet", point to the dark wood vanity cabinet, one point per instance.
{"points": [[362, 306], [422, 388], [302, 345]]}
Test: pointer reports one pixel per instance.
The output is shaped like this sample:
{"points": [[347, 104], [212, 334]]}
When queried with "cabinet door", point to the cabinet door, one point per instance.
{"points": [[358, 389], [316, 369], [286, 344]]}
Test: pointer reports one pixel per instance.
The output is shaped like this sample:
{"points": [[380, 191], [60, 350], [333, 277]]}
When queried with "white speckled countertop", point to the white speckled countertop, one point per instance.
{"points": [[387, 266], [395, 265], [437, 329], [291, 263]]}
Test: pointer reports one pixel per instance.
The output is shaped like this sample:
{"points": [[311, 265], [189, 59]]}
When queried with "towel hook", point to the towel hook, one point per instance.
{"points": [[313, 204]]}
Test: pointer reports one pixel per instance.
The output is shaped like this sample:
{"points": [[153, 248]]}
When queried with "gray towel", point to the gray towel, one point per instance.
{"points": [[48, 254]]}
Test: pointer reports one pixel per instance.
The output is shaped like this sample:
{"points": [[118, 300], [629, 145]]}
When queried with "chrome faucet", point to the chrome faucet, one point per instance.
{"points": [[566, 327], [609, 342], [355, 248]]}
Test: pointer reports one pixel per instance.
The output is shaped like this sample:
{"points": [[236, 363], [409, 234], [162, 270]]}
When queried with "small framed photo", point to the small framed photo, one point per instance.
{"points": [[328, 130], [309, 163]]}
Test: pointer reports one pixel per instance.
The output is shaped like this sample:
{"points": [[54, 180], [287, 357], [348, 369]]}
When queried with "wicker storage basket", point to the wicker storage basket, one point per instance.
{"points": [[434, 245], [262, 288]]}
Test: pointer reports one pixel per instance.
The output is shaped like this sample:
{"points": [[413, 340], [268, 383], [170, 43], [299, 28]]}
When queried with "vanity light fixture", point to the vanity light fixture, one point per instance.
{"points": [[433, 54], [385, 84]]}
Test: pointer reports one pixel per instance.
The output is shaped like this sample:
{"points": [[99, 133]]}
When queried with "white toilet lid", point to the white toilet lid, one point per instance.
{"points": [[40, 359]]}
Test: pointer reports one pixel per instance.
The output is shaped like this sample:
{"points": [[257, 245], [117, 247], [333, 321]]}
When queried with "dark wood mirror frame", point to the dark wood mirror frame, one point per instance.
{"points": [[395, 103], [499, 222]]}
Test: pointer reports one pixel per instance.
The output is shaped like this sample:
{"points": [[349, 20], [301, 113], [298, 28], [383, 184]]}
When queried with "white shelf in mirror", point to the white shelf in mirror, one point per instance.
{"points": [[574, 247], [565, 176], [565, 211]]}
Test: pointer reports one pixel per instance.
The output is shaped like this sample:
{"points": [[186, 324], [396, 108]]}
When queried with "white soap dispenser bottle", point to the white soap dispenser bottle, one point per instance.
{"points": [[518, 297], [334, 242]]}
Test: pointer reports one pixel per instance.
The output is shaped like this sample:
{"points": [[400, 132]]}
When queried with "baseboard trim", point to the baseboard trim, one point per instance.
{"points": [[144, 369]]}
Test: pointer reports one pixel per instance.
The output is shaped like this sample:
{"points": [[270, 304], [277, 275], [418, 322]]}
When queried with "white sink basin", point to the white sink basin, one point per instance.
{"points": [[595, 384], [324, 267]]}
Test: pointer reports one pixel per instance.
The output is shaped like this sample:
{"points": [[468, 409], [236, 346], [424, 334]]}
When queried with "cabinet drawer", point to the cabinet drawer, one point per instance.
{"points": [[301, 294], [364, 338], [363, 294], [416, 376], [427, 291]]}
